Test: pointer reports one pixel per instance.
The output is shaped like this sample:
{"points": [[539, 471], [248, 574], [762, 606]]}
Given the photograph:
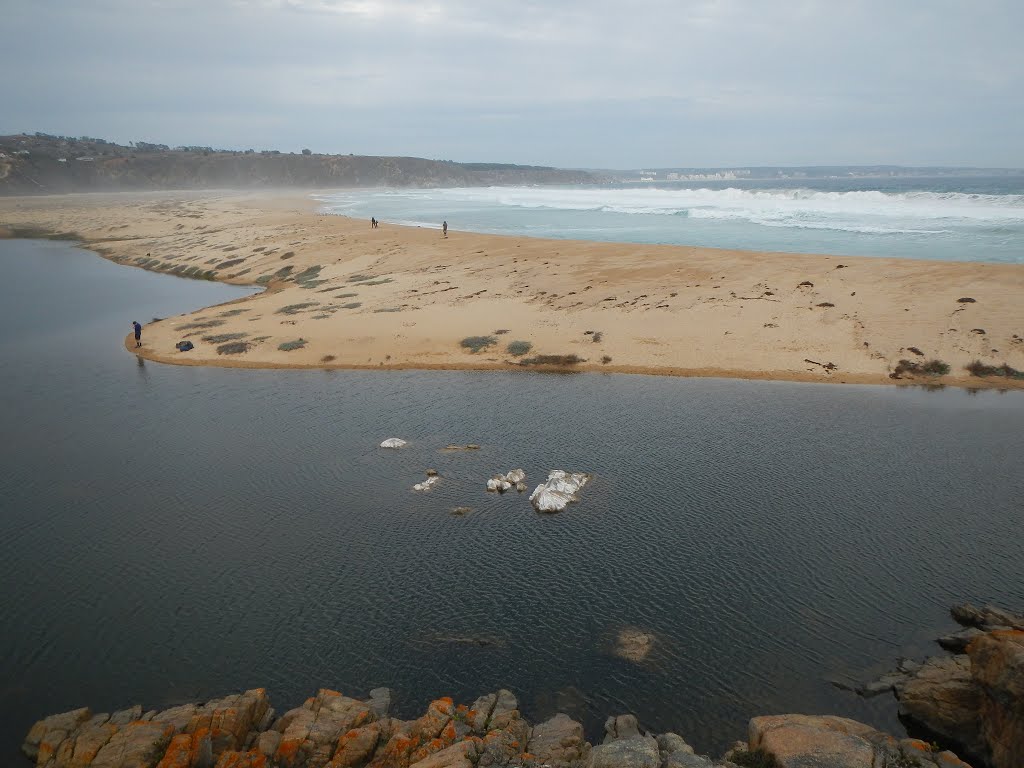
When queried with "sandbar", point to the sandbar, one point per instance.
{"points": [[342, 295]]}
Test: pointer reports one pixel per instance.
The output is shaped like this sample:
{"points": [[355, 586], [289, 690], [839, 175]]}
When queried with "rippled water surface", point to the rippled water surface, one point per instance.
{"points": [[169, 534]]}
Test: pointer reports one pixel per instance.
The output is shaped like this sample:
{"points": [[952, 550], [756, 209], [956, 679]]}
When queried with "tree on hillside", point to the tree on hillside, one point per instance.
{"points": [[306, 152]]}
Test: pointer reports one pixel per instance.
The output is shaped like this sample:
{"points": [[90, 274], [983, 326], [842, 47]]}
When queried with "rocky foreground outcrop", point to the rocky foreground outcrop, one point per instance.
{"points": [[975, 698], [331, 730]]}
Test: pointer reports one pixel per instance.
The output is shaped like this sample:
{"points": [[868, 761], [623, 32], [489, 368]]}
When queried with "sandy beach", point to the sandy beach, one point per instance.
{"points": [[342, 295]]}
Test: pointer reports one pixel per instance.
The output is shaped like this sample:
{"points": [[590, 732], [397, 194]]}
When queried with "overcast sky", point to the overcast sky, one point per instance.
{"points": [[571, 83]]}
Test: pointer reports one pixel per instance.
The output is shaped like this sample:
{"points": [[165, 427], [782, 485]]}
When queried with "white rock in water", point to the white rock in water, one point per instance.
{"points": [[558, 490], [498, 483], [393, 442], [546, 500], [427, 484], [520, 486], [515, 476]]}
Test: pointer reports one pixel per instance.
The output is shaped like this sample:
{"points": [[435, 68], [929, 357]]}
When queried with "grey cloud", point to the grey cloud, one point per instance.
{"points": [[576, 83]]}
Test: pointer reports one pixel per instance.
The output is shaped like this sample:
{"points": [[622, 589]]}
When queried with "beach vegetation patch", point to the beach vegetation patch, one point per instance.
{"points": [[232, 312], [234, 348], [978, 368], [287, 254], [501, 331], [284, 271], [379, 282], [220, 338], [328, 359], [825, 304], [476, 343], [229, 263], [389, 309], [289, 346], [346, 295], [557, 360], [352, 305], [598, 336], [200, 325], [294, 309], [914, 368], [358, 278], [518, 348], [965, 300], [264, 279], [321, 317]]}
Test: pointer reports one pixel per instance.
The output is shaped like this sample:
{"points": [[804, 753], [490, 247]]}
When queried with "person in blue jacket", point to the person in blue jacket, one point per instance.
{"points": [[138, 333]]}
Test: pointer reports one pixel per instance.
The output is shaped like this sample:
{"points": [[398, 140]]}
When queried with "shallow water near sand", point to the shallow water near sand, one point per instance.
{"points": [[172, 533]]}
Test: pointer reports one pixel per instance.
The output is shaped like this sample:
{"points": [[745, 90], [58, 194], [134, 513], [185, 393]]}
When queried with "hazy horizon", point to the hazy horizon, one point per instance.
{"points": [[701, 84]]}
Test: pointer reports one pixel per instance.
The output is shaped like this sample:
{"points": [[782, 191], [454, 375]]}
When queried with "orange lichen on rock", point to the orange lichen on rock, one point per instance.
{"points": [[250, 759], [179, 753], [396, 752], [287, 754], [448, 732]]}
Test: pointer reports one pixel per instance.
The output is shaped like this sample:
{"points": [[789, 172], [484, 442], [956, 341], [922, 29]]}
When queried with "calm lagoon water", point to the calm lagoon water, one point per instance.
{"points": [[171, 534]]}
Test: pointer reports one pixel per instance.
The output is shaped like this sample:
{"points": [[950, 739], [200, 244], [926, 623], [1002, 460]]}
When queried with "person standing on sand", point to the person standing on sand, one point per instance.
{"points": [[138, 333], [444, 228]]}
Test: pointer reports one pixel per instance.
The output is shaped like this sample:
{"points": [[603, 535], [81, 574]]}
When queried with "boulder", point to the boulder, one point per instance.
{"points": [[135, 745], [631, 752], [559, 743], [46, 735], [621, 727], [393, 442], [427, 484], [987, 617], [380, 701], [997, 666], [670, 743], [957, 642], [498, 483], [944, 700], [813, 741], [633, 644], [558, 491], [461, 755]]}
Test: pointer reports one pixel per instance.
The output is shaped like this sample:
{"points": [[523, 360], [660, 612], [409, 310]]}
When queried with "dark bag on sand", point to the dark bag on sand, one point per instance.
{"points": [[184, 346]]}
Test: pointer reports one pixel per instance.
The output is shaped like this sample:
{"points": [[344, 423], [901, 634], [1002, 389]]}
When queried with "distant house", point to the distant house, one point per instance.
{"points": [[62, 159]]}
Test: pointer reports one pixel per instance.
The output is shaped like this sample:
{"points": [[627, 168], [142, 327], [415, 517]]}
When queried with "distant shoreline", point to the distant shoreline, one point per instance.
{"points": [[343, 295]]}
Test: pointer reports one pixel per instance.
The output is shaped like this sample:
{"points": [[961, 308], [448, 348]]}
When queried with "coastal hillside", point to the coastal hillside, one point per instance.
{"points": [[39, 164]]}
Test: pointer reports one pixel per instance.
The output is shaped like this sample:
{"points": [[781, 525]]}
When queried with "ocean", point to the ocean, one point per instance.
{"points": [[945, 219], [171, 534]]}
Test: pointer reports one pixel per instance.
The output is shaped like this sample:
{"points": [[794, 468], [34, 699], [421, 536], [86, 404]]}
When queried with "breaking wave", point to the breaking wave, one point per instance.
{"points": [[872, 211]]}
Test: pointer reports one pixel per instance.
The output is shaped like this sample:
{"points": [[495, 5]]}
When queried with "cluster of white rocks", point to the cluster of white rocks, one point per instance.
{"points": [[553, 495], [513, 479]]}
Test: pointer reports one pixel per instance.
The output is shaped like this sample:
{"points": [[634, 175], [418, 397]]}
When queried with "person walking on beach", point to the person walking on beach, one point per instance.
{"points": [[444, 228], [138, 333], [373, 223]]}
